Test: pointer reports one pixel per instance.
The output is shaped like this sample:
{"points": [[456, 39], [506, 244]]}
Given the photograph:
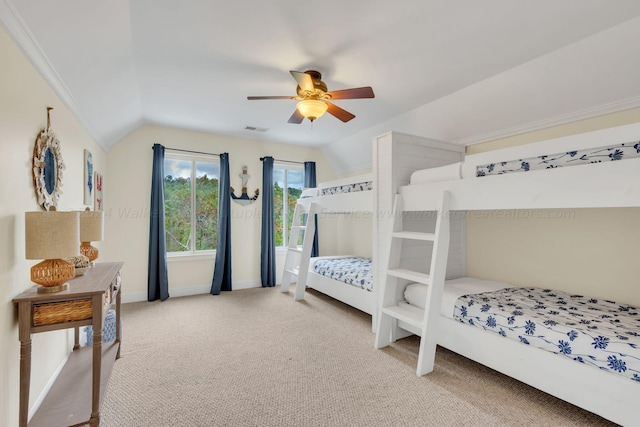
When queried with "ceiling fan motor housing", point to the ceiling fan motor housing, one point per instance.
{"points": [[319, 86]]}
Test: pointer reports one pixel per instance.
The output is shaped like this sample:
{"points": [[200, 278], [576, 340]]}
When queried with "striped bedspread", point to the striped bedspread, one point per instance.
{"points": [[354, 271], [595, 332]]}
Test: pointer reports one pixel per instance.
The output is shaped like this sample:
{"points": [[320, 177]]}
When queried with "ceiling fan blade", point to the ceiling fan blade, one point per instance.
{"points": [[304, 80], [296, 117], [355, 93], [253, 98], [338, 112]]}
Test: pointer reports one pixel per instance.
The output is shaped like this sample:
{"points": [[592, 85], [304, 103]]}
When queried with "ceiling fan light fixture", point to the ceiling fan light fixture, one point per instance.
{"points": [[312, 108]]}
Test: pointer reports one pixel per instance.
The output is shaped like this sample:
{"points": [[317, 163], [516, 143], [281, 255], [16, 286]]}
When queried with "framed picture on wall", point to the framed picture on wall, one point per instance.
{"points": [[98, 192], [88, 178]]}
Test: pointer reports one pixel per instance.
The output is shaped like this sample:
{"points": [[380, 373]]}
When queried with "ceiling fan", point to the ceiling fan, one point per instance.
{"points": [[315, 99]]}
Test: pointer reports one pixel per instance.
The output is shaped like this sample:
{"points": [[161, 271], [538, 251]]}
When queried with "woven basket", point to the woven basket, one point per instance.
{"points": [[60, 312]]}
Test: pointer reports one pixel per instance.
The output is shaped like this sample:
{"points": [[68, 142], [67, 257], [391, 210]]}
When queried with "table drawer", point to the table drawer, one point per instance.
{"points": [[61, 311]]}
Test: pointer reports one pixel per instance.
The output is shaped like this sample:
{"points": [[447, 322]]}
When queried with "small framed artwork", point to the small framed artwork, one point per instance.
{"points": [[98, 192], [88, 178]]}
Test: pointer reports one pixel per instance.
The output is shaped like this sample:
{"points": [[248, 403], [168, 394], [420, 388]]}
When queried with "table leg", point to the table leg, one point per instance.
{"points": [[24, 325], [25, 381], [118, 324], [76, 338], [94, 421]]}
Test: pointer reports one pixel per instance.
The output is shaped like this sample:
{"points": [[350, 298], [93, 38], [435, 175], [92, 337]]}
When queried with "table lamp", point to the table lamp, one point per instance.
{"points": [[91, 230], [51, 235]]}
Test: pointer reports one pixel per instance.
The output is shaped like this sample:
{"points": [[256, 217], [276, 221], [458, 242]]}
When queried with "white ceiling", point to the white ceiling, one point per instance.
{"points": [[191, 64]]}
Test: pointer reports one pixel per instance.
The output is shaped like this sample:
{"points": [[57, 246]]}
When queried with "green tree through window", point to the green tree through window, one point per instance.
{"points": [[287, 187], [191, 203]]}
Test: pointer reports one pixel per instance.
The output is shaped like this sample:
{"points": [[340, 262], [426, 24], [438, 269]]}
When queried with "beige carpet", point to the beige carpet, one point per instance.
{"points": [[256, 357]]}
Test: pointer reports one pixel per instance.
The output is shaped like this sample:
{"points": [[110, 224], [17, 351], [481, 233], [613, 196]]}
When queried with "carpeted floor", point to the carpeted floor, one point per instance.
{"points": [[256, 357]]}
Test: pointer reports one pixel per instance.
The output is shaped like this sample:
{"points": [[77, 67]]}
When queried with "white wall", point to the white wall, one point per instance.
{"points": [[587, 251], [24, 97], [583, 251], [127, 207]]}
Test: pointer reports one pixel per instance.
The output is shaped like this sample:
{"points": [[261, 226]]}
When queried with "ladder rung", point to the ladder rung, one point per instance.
{"points": [[405, 314], [414, 235], [299, 227], [414, 276], [293, 271], [295, 249]]}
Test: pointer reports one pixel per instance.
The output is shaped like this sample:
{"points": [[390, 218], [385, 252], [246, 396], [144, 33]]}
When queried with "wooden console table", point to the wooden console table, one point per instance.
{"points": [[68, 402]]}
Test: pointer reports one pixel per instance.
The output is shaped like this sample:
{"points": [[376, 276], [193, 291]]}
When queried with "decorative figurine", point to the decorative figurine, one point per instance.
{"points": [[244, 199]]}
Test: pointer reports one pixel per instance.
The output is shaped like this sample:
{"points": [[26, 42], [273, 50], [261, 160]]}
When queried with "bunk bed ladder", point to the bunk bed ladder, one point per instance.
{"points": [[303, 221], [393, 309]]}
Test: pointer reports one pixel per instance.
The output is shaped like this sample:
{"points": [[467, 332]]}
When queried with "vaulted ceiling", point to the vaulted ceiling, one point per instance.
{"points": [[191, 64]]}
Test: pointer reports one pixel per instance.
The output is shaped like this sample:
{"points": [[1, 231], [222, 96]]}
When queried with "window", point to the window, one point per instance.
{"points": [[191, 203], [287, 187]]}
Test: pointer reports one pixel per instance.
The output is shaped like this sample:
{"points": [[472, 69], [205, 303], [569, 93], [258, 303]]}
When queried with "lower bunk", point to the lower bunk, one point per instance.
{"points": [[347, 278], [582, 350]]}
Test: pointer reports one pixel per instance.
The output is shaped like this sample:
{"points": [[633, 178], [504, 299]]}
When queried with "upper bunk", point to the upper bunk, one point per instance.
{"points": [[346, 195], [589, 170]]}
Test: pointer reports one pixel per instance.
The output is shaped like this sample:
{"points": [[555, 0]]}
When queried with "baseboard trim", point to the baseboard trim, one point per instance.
{"points": [[189, 290]]}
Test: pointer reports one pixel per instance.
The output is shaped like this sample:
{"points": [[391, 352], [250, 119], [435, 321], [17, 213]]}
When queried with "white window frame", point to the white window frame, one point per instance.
{"points": [[192, 254], [285, 197]]}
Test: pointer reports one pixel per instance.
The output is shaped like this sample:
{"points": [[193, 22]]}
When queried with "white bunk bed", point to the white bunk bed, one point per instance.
{"points": [[361, 297], [599, 184], [344, 196]]}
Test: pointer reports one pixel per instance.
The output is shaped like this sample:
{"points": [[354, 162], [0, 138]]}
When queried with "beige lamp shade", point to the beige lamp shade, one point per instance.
{"points": [[51, 234], [91, 230], [91, 226]]}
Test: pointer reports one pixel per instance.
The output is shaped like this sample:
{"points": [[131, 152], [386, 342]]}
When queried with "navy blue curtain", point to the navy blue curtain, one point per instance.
{"points": [[267, 240], [157, 278], [222, 270], [310, 182]]}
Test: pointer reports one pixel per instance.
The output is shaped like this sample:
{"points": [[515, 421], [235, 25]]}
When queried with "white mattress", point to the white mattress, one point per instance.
{"points": [[309, 192], [441, 173], [416, 293], [460, 170]]}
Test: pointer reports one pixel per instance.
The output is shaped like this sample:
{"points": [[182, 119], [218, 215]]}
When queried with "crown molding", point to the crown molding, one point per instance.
{"points": [[589, 113], [22, 36]]}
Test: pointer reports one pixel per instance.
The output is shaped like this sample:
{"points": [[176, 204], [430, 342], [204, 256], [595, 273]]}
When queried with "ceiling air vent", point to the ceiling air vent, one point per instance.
{"points": [[255, 129]]}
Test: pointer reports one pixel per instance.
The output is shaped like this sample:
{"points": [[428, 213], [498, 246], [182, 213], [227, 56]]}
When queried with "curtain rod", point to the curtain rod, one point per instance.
{"points": [[190, 151], [285, 161]]}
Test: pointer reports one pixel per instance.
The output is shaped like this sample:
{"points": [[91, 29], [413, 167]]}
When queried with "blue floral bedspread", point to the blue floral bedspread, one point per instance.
{"points": [[348, 188], [609, 153], [596, 332], [355, 271]]}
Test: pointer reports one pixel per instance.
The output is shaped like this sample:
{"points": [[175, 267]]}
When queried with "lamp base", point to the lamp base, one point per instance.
{"points": [[89, 251], [52, 274], [53, 289]]}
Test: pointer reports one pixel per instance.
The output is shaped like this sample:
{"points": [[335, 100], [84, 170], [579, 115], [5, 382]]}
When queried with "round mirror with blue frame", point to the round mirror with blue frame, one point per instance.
{"points": [[47, 168]]}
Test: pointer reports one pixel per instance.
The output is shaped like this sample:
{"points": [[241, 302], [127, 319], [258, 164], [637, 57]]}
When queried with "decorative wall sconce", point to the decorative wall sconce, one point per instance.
{"points": [[91, 230], [51, 235], [244, 199]]}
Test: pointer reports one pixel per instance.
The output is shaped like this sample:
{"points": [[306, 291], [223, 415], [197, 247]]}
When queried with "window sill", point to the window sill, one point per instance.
{"points": [[190, 256]]}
